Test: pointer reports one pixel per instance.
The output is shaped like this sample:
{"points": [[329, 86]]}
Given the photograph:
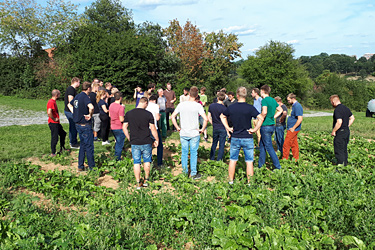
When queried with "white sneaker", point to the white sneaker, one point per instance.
{"points": [[105, 143]]}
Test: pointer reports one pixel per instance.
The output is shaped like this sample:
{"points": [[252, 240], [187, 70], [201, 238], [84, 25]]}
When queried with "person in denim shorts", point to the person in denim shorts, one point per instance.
{"points": [[140, 121], [241, 114]]}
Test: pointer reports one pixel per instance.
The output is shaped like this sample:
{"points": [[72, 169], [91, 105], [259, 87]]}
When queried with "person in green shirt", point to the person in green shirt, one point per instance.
{"points": [[269, 108], [203, 96]]}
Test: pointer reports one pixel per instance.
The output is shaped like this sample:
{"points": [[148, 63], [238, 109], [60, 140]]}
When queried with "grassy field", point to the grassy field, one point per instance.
{"points": [[309, 204]]}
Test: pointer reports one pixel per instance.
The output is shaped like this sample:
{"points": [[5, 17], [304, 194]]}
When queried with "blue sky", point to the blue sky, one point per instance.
{"points": [[314, 26]]}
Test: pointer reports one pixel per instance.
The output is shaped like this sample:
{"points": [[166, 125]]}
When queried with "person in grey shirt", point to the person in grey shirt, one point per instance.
{"points": [[255, 93], [189, 131], [162, 125]]}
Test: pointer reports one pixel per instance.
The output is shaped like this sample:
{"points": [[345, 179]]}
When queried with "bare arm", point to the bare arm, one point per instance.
{"points": [[336, 127], [157, 116], [279, 111], [70, 107], [209, 116], [264, 111], [282, 118], [259, 124], [135, 94], [105, 109], [125, 130], [351, 120], [224, 120], [299, 120], [91, 111], [50, 115], [205, 121], [121, 118], [154, 133], [173, 117]]}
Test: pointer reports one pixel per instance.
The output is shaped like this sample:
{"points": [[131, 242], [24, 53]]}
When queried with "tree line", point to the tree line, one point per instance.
{"points": [[104, 42]]}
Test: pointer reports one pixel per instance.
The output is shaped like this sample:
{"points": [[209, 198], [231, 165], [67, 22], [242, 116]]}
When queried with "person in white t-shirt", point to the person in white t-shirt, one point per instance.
{"points": [[189, 131], [154, 109]]}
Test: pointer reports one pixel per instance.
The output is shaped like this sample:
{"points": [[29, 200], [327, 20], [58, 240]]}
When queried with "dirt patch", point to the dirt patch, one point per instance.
{"points": [[47, 166], [108, 181]]}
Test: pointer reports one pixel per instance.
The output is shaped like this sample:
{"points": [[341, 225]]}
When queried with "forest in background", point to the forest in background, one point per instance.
{"points": [[104, 42]]}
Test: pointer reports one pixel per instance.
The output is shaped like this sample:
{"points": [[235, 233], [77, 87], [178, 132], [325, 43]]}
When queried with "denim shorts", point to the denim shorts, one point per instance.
{"points": [[142, 151], [247, 144]]}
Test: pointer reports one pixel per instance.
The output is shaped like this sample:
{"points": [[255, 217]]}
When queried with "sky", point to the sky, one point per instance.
{"points": [[311, 26]]}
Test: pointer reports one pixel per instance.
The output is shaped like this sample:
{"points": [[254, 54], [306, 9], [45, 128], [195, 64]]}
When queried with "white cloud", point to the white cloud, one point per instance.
{"points": [[239, 30], [293, 42], [153, 4]]}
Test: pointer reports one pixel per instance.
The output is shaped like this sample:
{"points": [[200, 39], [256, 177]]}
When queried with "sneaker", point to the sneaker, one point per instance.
{"points": [[95, 138], [139, 185], [197, 176], [74, 146], [205, 138], [80, 170], [230, 182], [105, 143], [145, 183], [52, 155]]}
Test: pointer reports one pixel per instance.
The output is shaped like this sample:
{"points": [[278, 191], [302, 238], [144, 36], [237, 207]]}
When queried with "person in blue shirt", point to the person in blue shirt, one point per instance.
{"points": [[294, 126], [255, 93]]}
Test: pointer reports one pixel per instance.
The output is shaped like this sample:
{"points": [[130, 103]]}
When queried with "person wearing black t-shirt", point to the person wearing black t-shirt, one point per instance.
{"points": [[342, 120], [140, 121], [70, 93], [96, 116]]}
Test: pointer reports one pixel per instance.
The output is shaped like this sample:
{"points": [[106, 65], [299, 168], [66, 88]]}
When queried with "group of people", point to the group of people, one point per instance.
{"points": [[232, 119]]}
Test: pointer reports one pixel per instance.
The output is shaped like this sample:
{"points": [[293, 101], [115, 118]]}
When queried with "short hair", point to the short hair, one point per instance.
{"points": [[168, 83], [151, 85], [96, 80], [143, 100], [266, 89], [231, 93], [160, 90], [242, 92], [114, 90], [108, 84], [278, 99], [95, 84], [118, 95], [203, 89], [55, 92], [221, 96], [153, 97], [75, 79], [292, 96], [193, 92], [139, 86], [256, 90], [187, 89], [223, 90], [332, 97], [198, 98], [86, 85]]}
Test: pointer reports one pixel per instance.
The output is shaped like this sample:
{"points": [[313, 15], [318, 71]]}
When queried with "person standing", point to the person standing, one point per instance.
{"points": [[162, 101], [269, 107], [140, 121], [189, 131], [54, 123], [138, 94], [82, 110], [70, 93], [219, 133], [101, 99], [203, 96], [255, 93], [280, 125], [154, 109], [342, 120], [117, 113], [96, 119], [294, 126], [230, 100], [108, 88], [171, 98], [241, 115], [185, 97]]}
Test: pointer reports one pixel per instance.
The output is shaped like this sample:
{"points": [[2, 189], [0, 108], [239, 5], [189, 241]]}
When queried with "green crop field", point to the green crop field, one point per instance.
{"points": [[309, 204]]}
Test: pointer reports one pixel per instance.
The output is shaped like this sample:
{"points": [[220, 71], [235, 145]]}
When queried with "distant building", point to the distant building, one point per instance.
{"points": [[368, 55]]}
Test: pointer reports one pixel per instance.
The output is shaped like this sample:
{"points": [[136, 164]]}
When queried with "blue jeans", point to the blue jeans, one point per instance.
{"points": [[266, 144], [72, 128], [279, 137], [193, 144], [120, 140], [87, 145], [218, 135], [142, 151], [247, 145]]}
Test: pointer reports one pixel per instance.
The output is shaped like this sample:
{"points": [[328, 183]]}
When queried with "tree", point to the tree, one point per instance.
{"points": [[25, 26], [273, 64]]}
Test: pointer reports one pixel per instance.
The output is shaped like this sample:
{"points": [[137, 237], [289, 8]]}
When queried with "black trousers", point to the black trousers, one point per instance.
{"points": [[56, 131], [169, 111], [104, 127], [340, 144]]}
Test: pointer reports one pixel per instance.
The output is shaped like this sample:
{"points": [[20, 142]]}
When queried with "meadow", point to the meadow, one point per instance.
{"points": [[309, 204]]}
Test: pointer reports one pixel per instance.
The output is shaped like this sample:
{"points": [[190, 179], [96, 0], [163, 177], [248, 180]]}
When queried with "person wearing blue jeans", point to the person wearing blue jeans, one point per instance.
{"points": [[270, 110], [189, 131], [70, 93], [82, 110], [280, 125], [219, 133], [86, 137], [120, 140], [72, 129], [241, 114]]}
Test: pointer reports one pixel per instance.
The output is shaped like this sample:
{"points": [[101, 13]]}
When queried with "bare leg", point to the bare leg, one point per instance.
{"points": [[231, 169], [146, 167], [137, 172], [249, 170]]}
